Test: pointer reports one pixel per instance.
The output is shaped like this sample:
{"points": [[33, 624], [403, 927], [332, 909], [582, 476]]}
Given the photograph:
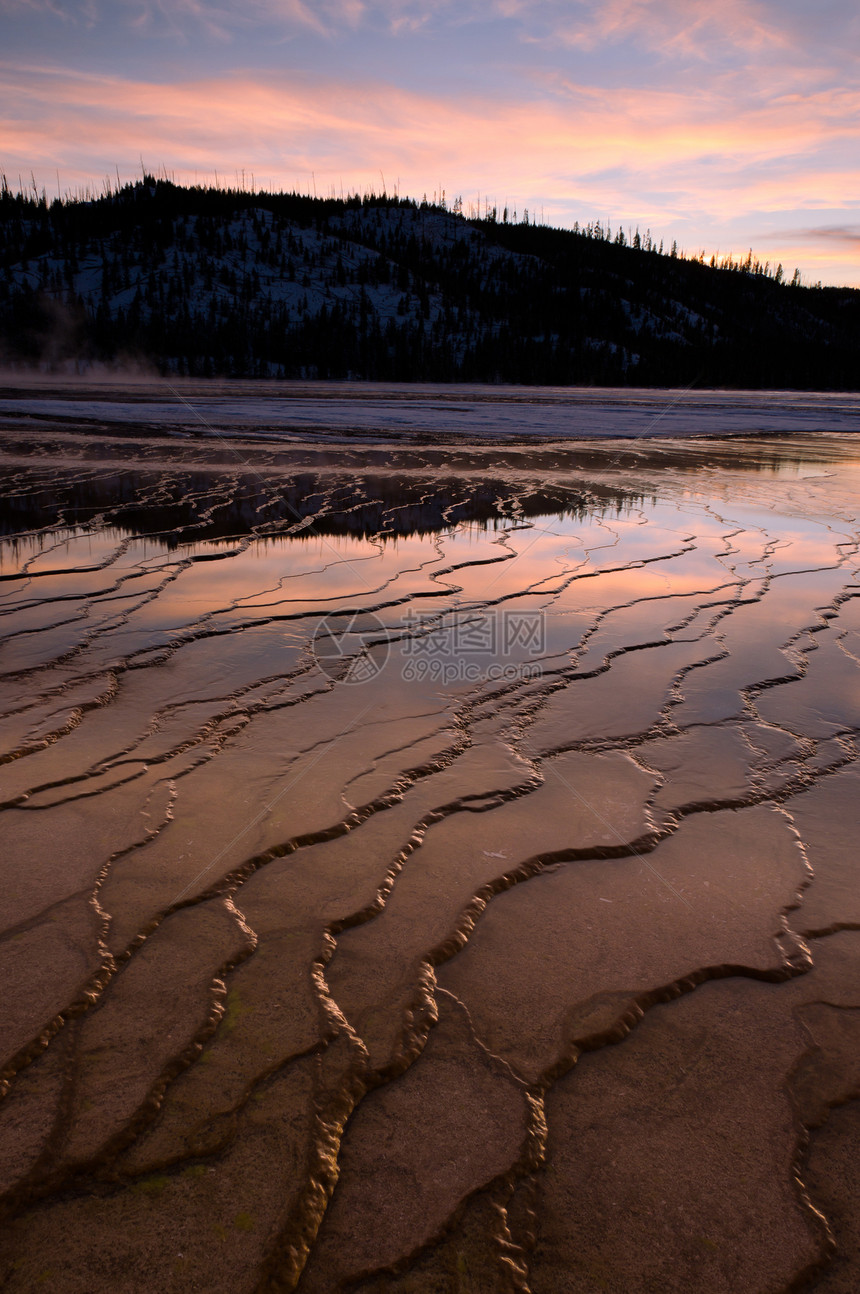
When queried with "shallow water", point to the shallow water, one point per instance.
{"points": [[429, 869]]}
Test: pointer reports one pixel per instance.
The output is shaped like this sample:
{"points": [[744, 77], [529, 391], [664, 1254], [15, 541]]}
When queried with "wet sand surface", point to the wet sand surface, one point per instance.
{"points": [[428, 867]]}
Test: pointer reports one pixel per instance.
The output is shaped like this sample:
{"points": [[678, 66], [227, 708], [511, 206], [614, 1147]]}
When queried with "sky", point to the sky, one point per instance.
{"points": [[722, 126]]}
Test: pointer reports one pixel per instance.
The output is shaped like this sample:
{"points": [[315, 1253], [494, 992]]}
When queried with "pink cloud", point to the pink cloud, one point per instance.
{"points": [[695, 29], [578, 150], [370, 122]]}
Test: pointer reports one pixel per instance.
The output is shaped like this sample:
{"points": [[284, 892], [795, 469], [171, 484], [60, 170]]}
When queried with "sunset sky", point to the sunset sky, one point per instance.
{"points": [[722, 126]]}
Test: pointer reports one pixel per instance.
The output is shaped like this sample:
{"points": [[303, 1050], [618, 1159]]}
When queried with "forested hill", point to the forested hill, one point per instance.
{"points": [[223, 282]]}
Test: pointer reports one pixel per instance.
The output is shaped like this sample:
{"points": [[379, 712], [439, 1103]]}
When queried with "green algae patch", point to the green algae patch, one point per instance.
{"points": [[152, 1186], [234, 1009]]}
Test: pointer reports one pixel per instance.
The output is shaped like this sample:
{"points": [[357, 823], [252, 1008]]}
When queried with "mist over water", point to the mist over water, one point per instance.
{"points": [[428, 866]]}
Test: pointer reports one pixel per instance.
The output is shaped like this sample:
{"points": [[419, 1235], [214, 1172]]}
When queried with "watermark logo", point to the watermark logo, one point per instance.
{"points": [[474, 646], [351, 649]]}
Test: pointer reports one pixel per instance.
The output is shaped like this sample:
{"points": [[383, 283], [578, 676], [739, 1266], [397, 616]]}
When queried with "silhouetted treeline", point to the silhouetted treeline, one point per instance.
{"points": [[227, 282]]}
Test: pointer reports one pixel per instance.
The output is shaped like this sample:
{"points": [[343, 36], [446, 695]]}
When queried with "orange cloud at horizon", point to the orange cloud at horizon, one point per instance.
{"points": [[664, 158]]}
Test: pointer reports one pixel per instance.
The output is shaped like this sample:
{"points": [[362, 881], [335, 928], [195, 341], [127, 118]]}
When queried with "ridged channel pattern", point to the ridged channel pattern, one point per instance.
{"points": [[428, 870]]}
